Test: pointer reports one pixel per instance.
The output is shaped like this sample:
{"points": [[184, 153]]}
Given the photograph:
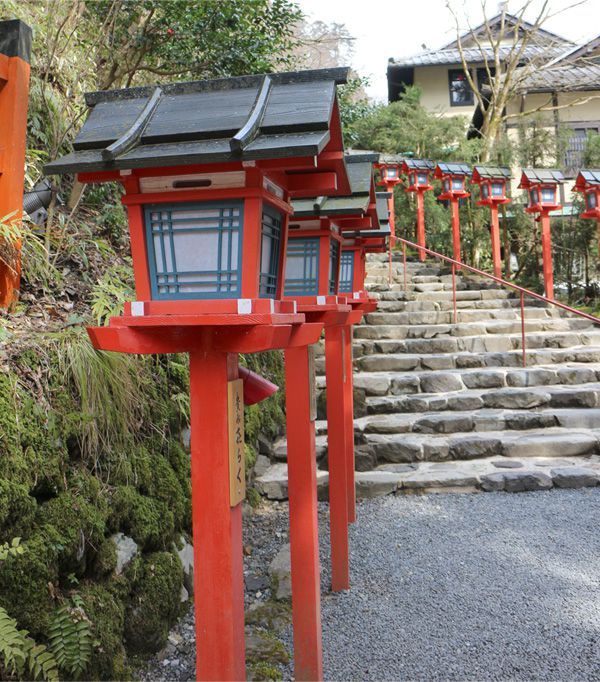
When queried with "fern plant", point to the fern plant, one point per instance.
{"points": [[21, 656], [70, 637]]}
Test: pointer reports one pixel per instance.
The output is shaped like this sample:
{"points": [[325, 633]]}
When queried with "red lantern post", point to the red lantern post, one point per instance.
{"points": [[208, 215], [418, 172], [453, 177], [312, 281], [588, 183], [542, 192], [492, 192], [15, 49], [389, 168]]}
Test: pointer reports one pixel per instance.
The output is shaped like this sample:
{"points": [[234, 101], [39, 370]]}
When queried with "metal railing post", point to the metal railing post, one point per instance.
{"points": [[454, 292], [522, 297]]}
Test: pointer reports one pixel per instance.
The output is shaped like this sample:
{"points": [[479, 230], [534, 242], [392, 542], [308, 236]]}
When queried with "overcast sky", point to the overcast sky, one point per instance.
{"points": [[399, 27]]}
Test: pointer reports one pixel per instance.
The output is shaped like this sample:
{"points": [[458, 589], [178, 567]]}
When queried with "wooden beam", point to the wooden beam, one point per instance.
{"points": [[311, 184]]}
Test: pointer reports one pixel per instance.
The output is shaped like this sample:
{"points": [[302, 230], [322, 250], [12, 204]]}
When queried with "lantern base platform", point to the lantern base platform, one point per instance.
{"points": [[233, 333]]}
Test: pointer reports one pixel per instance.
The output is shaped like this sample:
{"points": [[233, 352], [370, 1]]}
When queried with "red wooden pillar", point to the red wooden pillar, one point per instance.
{"points": [[455, 230], [349, 424], [336, 449], [495, 236], [547, 255], [421, 224], [15, 43], [217, 527], [304, 534]]}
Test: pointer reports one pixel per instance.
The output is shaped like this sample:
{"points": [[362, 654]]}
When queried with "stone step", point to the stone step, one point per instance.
{"points": [[485, 419], [416, 447], [468, 329], [445, 295], [431, 381], [399, 302], [581, 396], [399, 362], [485, 474], [434, 317], [487, 343]]}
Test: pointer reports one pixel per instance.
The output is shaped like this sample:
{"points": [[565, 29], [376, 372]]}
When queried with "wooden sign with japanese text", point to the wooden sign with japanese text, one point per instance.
{"points": [[237, 467]]}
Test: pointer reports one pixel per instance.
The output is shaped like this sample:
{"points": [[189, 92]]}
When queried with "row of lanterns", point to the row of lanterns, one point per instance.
{"points": [[541, 186]]}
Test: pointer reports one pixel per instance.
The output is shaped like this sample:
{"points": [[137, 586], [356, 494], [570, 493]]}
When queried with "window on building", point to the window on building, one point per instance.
{"points": [[194, 249], [334, 264], [269, 253], [575, 149], [346, 272], [461, 94], [302, 267]]}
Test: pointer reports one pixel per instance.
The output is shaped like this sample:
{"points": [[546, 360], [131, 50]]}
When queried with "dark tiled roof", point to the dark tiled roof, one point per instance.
{"points": [[419, 164], [492, 171], [383, 212], [591, 177], [563, 78], [535, 175], [473, 55], [453, 168], [230, 119], [384, 231]]}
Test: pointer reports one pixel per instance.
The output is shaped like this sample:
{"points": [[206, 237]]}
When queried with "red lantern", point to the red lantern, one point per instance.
{"points": [[419, 173], [452, 176], [208, 215], [542, 192], [492, 192], [588, 183]]}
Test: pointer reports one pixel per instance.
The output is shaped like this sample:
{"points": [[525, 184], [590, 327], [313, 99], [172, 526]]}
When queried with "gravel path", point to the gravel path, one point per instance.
{"points": [[470, 587], [452, 587]]}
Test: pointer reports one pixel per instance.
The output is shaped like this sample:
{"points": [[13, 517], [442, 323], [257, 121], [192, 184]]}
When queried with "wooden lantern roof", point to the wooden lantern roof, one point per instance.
{"points": [[587, 178], [490, 173], [443, 169], [417, 165], [383, 210], [360, 203], [540, 176], [230, 120]]}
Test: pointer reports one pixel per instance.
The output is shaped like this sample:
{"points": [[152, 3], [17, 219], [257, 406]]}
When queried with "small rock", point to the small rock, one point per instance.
{"points": [[186, 556], [126, 550], [507, 464], [280, 571], [256, 582], [183, 595], [261, 465], [375, 483]]}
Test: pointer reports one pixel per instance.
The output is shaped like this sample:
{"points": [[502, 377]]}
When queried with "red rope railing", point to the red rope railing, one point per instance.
{"points": [[522, 291]]}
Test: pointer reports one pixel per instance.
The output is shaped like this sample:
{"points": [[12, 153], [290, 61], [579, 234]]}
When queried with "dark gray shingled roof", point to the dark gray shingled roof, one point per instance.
{"points": [[383, 212], [454, 168], [565, 78], [230, 119], [592, 177], [543, 175], [492, 171], [360, 175], [419, 164], [473, 55], [384, 231]]}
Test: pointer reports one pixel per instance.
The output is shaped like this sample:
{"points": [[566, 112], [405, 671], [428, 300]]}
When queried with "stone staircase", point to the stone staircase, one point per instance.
{"points": [[441, 406]]}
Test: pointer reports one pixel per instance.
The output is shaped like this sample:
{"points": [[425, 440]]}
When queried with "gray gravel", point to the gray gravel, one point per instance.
{"points": [[470, 587], [491, 586]]}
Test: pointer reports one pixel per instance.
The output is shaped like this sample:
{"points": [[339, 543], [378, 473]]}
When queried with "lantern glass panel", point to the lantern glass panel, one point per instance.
{"points": [[591, 199], [422, 178], [485, 191], [302, 267], [194, 249], [392, 172], [497, 189], [270, 249], [446, 185], [548, 195], [534, 197], [413, 178], [457, 183], [346, 272], [334, 262]]}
